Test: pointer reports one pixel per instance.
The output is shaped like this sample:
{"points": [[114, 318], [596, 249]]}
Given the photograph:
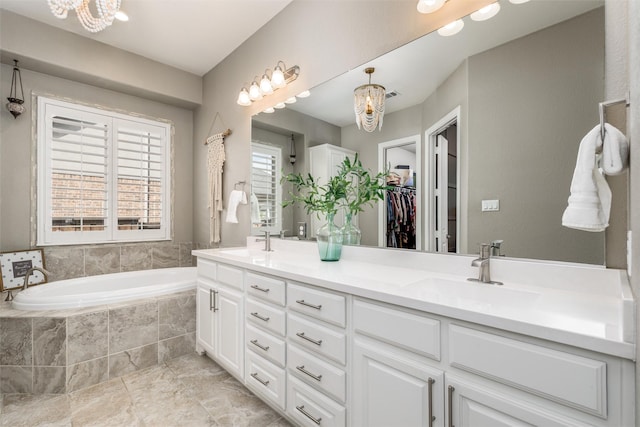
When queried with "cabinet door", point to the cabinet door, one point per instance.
{"points": [[205, 318], [229, 330], [393, 389], [474, 405]]}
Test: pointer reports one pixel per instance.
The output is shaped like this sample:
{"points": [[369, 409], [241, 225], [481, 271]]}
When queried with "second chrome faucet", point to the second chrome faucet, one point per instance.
{"points": [[484, 266]]}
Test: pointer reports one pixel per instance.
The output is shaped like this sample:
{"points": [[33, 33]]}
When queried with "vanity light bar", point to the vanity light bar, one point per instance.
{"points": [[265, 85]]}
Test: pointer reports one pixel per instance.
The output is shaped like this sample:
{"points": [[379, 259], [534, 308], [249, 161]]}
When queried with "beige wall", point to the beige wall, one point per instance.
{"points": [[530, 103], [15, 151]]}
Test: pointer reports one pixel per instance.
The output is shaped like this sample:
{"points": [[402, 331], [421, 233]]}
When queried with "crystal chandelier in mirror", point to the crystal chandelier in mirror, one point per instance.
{"points": [[106, 9], [368, 104]]}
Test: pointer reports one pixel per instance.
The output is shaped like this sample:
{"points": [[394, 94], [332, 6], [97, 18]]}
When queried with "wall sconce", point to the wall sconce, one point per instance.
{"points": [[280, 77], [15, 106], [292, 151]]}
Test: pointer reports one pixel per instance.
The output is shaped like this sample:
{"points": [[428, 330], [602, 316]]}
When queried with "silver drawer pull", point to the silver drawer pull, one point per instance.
{"points": [[304, 337], [257, 344], [265, 319], [258, 288], [308, 415], [301, 301], [304, 371], [260, 380]]}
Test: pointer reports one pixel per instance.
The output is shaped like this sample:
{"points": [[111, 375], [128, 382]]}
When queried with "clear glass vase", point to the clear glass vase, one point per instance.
{"points": [[350, 233], [329, 240]]}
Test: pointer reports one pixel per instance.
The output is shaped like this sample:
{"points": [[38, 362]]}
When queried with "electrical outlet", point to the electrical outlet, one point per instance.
{"points": [[302, 230]]}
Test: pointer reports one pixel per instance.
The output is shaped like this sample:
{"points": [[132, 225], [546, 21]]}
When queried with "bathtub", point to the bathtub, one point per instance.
{"points": [[106, 289]]}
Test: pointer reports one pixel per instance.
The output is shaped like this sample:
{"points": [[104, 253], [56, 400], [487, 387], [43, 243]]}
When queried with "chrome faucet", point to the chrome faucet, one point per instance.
{"points": [[267, 241], [30, 271], [484, 266]]}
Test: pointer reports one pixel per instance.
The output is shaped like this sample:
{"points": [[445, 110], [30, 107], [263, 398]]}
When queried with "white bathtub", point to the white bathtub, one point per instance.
{"points": [[106, 289]]}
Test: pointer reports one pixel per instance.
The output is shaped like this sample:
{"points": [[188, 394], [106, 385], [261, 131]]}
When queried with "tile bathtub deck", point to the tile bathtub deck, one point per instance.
{"points": [[190, 390]]}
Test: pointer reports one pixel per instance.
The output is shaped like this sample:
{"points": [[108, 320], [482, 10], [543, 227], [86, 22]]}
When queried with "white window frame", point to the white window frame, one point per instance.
{"points": [[276, 152], [45, 236]]}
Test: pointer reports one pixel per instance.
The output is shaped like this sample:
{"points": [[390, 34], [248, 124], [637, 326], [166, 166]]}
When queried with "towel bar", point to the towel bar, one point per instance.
{"points": [[603, 112]]}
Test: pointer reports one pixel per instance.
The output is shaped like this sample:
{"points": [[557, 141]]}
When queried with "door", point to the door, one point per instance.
{"points": [[205, 319], [443, 190], [394, 390], [472, 405], [229, 330]]}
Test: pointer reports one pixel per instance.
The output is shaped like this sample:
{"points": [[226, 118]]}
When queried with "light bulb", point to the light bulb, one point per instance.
{"points": [[269, 110], [429, 6], [291, 100], [486, 12], [243, 98], [277, 78], [279, 105], [265, 85], [518, 1], [121, 16], [254, 91], [304, 94], [452, 28]]}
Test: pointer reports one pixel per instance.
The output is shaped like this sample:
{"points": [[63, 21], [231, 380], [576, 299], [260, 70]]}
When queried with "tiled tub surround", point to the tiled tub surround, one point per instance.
{"points": [[55, 352], [69, 262]]}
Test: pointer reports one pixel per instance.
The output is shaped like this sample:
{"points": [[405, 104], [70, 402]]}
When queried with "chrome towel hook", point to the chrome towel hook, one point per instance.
{"points": [[603, 113]]}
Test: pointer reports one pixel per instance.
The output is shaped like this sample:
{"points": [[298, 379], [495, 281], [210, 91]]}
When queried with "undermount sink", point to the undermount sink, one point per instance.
{"points": [[243, 252]]}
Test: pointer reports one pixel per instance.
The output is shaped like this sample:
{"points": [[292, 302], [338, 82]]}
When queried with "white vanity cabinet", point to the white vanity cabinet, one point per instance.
{"points": [[220, 308], [265, 327], [317, 356]]}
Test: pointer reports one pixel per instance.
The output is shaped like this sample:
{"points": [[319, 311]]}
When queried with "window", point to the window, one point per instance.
{"points": [[102, 176], [266, 191]]}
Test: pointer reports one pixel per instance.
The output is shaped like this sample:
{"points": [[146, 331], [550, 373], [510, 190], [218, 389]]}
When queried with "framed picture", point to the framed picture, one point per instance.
{"points": [[14, 266]]}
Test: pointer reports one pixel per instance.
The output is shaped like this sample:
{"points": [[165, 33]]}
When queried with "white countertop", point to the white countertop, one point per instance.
{"points": [[584, 306]]}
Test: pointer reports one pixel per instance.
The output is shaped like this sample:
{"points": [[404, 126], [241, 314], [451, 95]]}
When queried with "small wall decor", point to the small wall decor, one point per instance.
{"points": [[14, 266], [16, 99]]}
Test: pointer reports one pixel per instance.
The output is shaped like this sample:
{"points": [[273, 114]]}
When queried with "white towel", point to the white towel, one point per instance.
{"points": [[590, 201], [615, 151], [255, 210], [236, 198]]}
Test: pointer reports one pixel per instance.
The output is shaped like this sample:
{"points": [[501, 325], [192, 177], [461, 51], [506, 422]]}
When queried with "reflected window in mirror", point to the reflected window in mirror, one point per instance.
{"points": [[266, 192]]}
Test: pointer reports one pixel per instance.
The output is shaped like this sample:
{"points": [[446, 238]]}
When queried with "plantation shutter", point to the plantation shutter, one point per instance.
{"points": [[265, 185]]}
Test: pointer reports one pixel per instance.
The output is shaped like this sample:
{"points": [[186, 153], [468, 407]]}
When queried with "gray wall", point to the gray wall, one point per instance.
{"points": [[15, 151], [530, 102]]}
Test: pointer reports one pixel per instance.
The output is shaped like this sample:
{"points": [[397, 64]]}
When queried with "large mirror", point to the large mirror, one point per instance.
{"points": [[513, 96]]}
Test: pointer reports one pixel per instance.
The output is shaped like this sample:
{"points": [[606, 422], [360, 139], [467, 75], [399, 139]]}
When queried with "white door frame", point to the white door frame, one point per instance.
{"points": [[430, 137], [382, 147]]}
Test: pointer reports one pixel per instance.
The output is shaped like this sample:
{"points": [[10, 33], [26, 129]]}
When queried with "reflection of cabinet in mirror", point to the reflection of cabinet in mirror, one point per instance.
{"points": [[324, 161]]}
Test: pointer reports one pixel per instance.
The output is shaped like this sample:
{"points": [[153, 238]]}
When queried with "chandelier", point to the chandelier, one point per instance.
{"points": [[107, 10], [368, 104]]}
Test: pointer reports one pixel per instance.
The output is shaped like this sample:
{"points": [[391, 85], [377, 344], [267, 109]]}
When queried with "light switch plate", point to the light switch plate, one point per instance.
{"points": [[490, 205]]}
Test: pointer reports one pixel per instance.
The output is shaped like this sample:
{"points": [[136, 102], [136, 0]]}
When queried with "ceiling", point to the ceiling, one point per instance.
{"points": [[420, 67], [192, 35]]}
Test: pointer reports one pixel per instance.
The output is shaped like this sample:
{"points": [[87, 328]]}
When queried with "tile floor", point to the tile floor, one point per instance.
{"points": [[190, 390]]}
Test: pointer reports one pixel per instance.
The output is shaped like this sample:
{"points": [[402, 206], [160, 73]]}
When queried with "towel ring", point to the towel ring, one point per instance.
{"points": [[603, 113]]}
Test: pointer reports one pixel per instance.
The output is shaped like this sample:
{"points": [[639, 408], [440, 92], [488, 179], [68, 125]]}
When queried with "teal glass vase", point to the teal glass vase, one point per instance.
{"points": [[329, 238], [350, 233]]}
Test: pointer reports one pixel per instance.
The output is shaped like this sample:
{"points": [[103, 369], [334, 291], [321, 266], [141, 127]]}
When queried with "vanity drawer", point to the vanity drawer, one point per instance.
{"points": [[317, 373], [566, 378], [317, 338], [266, 379], [207, 269], [311, 408], [319, 304], [267, 288], [230, 276], [411, 331], [266, 345], [266, 316]]}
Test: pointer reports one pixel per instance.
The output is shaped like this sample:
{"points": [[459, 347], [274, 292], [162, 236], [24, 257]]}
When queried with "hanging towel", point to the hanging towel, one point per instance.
{"points": [[236, 198], [255, 210], [615, 151], [590, 201]]}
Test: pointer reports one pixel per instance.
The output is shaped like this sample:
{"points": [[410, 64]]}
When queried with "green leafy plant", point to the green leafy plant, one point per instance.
{"points": [[351, 188]]}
